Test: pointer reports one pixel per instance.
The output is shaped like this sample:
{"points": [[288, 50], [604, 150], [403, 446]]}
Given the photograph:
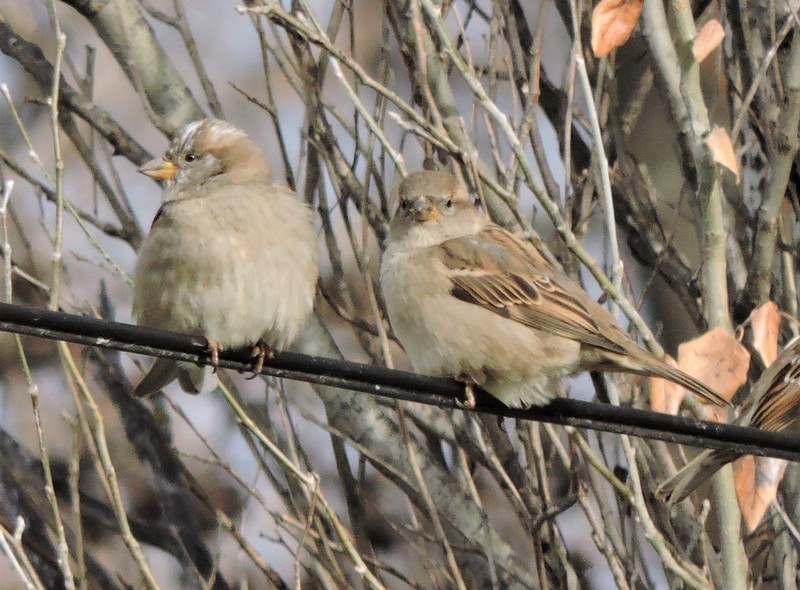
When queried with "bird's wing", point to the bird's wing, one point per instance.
{"points": [[503, 274], [779, 406]]}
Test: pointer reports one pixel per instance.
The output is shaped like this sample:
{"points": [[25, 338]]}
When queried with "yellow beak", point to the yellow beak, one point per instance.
{"points": [[159, 169], [423, 210]]}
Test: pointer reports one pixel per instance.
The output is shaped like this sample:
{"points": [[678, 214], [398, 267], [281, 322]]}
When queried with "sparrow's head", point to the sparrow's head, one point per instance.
{"points": [[208, 151], [434, 205]]}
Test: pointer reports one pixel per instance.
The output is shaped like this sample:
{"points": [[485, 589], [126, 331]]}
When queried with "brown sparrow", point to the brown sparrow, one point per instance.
{"points": [[471, 301], [231, 255], [773, 404]]}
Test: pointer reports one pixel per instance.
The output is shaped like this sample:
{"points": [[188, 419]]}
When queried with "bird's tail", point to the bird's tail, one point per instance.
{"points": [[695, 472], [193, 379], [644, 363], [160, 374], [670, 373]]}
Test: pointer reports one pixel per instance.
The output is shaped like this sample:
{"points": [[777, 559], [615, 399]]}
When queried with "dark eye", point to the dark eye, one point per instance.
{"points": [[190, 157], [449, 203], [404, 204]]}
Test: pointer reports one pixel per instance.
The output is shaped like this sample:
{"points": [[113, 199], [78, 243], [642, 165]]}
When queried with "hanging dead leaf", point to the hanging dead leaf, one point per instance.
{"points": [[721, 147], [717, 359], [766, 324], [665, 396], [708, 39], [612, 24], [756, 480]]}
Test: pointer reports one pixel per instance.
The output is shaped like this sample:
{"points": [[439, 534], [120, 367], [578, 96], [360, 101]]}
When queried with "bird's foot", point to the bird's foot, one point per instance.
{"points": [[469, 396], [214, 347], [261, 352]]}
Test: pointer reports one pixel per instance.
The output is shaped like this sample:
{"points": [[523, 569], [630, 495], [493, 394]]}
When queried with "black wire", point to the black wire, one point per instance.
{"points": [[394, 384]]}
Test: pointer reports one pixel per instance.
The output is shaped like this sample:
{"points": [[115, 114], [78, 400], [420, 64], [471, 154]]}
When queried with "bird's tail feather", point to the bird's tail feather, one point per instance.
{"points": [[160, 374], [677, 376], [698, 470], [193, 379], [644, 364], [198, 379]]}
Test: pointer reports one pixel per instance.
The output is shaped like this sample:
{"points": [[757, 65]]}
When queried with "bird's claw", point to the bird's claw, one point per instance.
{"points": [[468, 402], [261, 352], [214, 348]]}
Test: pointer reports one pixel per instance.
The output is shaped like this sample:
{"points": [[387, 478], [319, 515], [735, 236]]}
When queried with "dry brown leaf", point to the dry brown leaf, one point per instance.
{"points": [[707, 40], [756, 480], [717, 359], [721, 146], [665, 396], [612, 24], [766, 324]]}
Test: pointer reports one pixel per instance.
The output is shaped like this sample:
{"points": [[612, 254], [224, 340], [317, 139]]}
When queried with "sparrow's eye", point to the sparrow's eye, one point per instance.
{"points": [[404, 204], [190, 157], [449, 203]]}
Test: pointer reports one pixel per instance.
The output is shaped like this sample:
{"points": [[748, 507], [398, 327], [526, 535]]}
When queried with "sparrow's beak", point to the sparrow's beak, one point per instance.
{"points": [[423, 209], [160, 169]]}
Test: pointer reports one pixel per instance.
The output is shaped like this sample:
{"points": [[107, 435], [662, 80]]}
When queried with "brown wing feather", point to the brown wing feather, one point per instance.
{"points": [[497, 271], [780, 406]]}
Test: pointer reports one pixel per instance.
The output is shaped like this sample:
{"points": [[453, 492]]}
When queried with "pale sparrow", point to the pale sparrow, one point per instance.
{"points": [[231, 255], [471, 301]]}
